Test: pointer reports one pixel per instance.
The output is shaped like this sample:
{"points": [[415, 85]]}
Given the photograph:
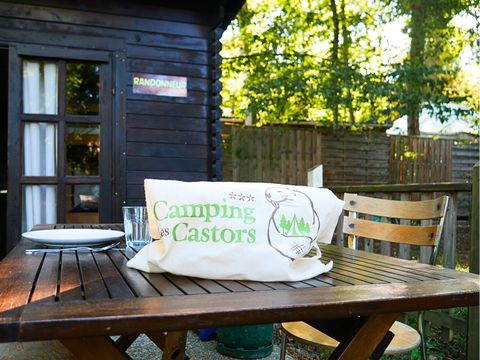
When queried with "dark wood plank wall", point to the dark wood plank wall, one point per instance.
{"points": [[165, 137]]}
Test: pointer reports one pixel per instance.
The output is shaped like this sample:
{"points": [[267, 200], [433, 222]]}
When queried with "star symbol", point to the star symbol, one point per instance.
{"points": [[232, 196], [250, 197], [241, 197]]}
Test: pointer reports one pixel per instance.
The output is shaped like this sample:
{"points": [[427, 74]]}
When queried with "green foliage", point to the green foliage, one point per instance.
{"points": [[287, 61], [273, 46], [424, 79]]}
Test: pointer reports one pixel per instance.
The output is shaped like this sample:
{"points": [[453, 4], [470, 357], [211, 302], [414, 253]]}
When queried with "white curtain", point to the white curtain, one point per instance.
{"points": [[40, 79]]}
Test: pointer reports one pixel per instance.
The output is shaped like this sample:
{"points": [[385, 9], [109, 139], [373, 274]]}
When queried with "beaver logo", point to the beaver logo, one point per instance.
{"points": [[294, 224]]}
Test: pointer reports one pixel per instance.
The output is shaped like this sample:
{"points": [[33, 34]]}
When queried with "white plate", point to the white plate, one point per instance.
{"points": [[73, 237]]}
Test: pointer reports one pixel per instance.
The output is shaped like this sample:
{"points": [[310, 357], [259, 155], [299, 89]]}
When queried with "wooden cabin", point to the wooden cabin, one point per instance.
{"points": [[96, 96]]}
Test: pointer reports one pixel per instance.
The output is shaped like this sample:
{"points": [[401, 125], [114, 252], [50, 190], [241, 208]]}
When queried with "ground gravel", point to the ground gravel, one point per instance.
{"points": [[144, 349]]}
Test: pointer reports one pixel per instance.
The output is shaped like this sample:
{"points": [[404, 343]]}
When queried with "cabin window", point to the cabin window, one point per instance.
{"points": [[82, 89], [82, 203], [83, 149], [39, 149], [40, 84], [61, 141], [39, 205]]}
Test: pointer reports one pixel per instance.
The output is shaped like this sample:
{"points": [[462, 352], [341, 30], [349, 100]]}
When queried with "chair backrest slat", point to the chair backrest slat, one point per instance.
{"points": [[413, 210], [402, 234]]}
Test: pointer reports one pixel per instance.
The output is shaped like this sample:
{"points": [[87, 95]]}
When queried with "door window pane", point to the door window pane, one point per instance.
{"points": [[39, 149], [83, 149], [82, 89], [39, 205], [40, 85], [82, 204]]}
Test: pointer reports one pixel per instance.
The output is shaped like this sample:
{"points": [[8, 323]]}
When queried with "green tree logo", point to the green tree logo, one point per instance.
{"points": [[294, 227]]}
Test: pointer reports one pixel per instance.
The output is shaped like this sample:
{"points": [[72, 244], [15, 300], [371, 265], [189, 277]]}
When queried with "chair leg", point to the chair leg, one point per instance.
{"points": [[283, 346], [421, 325]]}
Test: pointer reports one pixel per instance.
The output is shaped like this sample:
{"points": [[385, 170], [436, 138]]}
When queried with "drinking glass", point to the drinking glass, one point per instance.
{"points": [[135, 221]]}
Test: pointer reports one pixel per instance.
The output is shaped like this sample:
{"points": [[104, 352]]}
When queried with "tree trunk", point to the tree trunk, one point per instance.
{"points": [[347, 41], [415, 78], [413, 122], [335, 46]]}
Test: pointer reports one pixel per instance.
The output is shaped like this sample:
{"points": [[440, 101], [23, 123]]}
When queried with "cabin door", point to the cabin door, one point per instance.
{"points": [[60, 139]]}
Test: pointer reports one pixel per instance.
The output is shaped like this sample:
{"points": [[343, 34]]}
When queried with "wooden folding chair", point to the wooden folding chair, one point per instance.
{"points": [[385, 220]]}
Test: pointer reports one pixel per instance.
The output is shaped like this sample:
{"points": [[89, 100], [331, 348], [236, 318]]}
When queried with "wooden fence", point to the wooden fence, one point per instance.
{"points": [[270, 154], [473, 346], [285, 154], [415, 159], [464, 156]]}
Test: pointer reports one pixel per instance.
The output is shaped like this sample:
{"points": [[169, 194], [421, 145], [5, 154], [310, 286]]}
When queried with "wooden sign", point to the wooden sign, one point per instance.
{"points": [[159, 85]]}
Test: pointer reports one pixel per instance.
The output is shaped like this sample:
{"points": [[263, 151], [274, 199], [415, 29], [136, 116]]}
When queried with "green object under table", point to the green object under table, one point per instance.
{"points": [[246, 342]]}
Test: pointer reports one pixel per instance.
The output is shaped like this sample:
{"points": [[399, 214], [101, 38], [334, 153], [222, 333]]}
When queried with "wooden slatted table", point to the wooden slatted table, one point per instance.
{"points": [[83, 298]]}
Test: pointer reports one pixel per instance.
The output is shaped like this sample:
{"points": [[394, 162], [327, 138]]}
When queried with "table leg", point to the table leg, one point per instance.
{"points": [[172, 343], [124, 341], [88, 348], [371, 334]]}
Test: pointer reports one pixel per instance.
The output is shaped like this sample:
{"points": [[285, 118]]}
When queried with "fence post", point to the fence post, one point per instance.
{"points": [[473, 313], [450, 233]]}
